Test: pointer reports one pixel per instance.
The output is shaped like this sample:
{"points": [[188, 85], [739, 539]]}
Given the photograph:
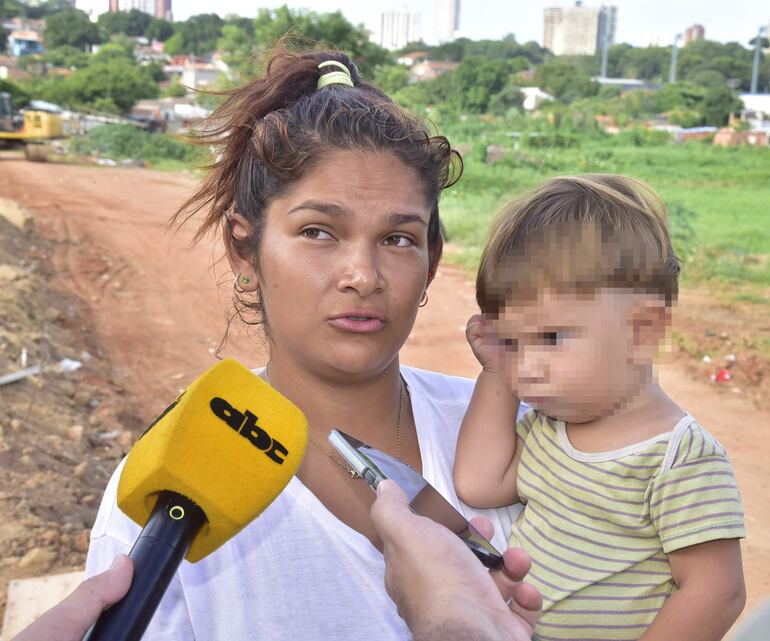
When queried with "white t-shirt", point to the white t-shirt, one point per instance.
{"points": [[297, 573]]}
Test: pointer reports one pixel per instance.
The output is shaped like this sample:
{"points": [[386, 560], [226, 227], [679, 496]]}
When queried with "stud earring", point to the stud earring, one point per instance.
{"points": [[245, 280]]}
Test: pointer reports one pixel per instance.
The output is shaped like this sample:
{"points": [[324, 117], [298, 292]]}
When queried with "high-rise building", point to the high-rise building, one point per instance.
{"points": [[578, 30], [448, 20], [163, 10], [693, 33], [157, 8], [398, 28]]}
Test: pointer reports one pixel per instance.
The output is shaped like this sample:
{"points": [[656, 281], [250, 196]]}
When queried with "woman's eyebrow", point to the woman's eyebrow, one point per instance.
{"points": [[337, 211], [405, 219], [325, 208]]}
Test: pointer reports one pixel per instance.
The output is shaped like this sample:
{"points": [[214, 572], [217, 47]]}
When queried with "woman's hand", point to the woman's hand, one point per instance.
{"points": [[441, 589], [479, 336]]}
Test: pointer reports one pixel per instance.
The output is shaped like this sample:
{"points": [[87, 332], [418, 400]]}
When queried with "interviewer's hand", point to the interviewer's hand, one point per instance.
{"points": [[69, 620], [438, 584]]}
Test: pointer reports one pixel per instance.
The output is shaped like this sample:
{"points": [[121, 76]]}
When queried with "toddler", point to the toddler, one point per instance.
{"points": [[631, 511]]}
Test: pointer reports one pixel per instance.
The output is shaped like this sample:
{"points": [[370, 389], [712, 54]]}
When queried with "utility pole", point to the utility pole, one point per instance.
{"points": [[757, 49], [674, 50]]}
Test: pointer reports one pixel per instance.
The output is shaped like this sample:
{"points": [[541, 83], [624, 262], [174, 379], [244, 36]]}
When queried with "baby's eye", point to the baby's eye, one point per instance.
{"points": [[509, 344], [552, 338], [398, 240], [314, 233]]}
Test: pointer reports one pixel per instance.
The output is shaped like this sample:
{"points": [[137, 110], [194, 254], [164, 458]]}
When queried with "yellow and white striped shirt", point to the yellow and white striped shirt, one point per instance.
{"points": [[599, 525]]}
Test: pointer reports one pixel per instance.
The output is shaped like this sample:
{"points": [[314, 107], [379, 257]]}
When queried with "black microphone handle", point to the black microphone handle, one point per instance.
{"points": [[157, 553]]}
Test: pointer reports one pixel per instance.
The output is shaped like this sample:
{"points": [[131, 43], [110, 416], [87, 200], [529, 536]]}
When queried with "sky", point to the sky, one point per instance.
{"points": [[640, 22]]}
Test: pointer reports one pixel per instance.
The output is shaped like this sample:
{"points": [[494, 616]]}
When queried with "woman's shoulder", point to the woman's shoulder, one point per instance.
{"points": [[440, 388]]}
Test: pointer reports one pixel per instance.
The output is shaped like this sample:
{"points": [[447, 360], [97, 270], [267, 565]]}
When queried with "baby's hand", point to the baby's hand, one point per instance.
{"points": [[478, 333]]}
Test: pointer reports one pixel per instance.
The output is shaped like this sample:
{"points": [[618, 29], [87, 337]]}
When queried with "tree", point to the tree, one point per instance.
{"points": [[199, 34], [159, 29], [392, 78], [66, 56], [475, 81], [328, 29], [71, 27], [237, 46], [19, 96], [564, 81], [717, 105]]}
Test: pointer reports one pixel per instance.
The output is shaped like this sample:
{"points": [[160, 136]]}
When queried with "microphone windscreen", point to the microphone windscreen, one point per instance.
{"points": [[230, 442]]}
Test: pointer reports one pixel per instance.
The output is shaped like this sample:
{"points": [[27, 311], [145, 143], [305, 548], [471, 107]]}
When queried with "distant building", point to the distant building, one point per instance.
{"points": [[157, 8], [578, 30], [693, 33], [24, 43], [533, 97], [412, 58], [429, 69], [398, 28], [448, 20]]}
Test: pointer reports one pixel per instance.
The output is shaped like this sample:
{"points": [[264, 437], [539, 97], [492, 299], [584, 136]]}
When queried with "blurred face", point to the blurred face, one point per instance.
{"points": [[343, 263], [573, 357]]}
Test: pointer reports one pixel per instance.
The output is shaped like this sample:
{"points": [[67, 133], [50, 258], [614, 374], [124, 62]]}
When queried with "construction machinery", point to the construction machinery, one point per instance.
{"points": [[32, 129]]}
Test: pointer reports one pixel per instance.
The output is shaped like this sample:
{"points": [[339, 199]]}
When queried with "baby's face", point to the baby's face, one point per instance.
{"points": [[569, 355]]}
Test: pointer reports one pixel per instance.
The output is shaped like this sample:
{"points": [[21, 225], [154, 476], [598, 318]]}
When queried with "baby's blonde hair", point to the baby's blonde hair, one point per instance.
{"points": [[578, 234]]}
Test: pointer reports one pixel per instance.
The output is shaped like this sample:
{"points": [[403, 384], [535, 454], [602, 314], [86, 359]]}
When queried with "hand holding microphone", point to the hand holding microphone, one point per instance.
{"points": [[203, 470]]}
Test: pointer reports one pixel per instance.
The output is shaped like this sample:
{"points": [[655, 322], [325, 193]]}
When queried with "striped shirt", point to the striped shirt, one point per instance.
{"points": [[599, 526]]}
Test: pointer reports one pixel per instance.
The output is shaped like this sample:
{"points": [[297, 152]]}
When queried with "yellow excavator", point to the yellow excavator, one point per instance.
{"points": [[33, 130]]}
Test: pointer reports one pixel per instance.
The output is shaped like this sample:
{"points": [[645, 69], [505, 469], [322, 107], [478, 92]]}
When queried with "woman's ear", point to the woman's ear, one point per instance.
{"points": [[235, 232], [650, 319], [434, 258]]}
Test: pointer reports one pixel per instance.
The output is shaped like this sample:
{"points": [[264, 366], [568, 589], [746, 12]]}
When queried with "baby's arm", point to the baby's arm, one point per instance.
{"points": [[487, 449], [711, 593]]}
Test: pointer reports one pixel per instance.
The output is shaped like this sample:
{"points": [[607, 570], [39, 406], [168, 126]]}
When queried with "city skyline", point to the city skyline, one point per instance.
{"points": [[638, 23]]}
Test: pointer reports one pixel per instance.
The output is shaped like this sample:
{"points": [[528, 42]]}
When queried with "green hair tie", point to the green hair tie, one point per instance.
{"points": [[342, 77]]}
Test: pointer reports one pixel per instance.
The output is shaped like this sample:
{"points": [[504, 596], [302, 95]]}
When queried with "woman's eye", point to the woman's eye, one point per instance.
{"points": [[398, 240], [314, 233]]}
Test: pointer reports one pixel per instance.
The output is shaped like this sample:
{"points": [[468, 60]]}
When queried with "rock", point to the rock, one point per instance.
{"points": [[12, 531], [9, 273], [81, 470], [81, 540], [126, 439], [38, 560], [52, 314], [49, 538], [75, 433], [15, 424]]}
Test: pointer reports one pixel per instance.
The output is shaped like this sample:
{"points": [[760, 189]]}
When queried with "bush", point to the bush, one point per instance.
{"points": [[126, 141]]}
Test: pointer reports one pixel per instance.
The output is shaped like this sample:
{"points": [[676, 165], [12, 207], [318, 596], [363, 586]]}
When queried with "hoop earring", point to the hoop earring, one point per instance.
{"points": [[424, 299]]}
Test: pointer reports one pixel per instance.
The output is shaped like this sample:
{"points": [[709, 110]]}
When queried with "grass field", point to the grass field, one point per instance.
{"points": [[719, 198]]}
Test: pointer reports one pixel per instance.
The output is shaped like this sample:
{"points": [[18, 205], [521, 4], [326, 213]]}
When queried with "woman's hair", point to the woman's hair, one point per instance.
{"points": [[272, 130], [578, 234]]}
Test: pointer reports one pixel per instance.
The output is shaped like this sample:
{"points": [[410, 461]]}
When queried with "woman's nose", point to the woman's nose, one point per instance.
{"points": [[361, 271]]}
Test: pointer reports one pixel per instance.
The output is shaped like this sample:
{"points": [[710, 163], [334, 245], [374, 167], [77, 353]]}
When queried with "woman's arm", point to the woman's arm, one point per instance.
{"points": [[487, 453], [711, 593]]}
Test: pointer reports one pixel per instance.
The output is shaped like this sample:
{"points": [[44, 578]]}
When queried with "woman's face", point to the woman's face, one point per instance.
{"points": [[343, 263]]}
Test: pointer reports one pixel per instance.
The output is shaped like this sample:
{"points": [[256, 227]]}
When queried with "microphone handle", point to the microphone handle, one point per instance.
{"points": [[157, 553]]}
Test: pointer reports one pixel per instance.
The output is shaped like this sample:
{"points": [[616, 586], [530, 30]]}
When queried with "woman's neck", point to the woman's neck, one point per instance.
{"points": [[367, 407]]}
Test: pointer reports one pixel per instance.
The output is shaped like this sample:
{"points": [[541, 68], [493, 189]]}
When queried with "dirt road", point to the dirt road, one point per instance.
{"points": [[158, 309]]}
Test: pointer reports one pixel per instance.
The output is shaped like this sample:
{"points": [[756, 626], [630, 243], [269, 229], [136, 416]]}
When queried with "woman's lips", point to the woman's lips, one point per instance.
{"points": [[357, 323]]}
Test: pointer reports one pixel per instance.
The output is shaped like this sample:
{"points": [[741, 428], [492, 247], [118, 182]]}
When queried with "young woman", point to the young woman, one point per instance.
{"points": [[327, 195]]}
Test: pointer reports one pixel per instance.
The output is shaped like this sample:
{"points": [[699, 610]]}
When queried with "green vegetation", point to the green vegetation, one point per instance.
{"points": [[717, 197], [119, 142]]}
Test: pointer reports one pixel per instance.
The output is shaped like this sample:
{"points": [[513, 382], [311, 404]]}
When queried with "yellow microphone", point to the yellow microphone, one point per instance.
{"points": [[203, 470]]}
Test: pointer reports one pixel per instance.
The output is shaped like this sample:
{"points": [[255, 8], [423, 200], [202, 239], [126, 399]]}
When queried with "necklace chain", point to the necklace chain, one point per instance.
{"points": [[351, 472]]}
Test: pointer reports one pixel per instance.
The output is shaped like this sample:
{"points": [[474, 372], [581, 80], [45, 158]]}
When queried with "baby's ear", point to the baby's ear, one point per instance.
{"points": [[649, 320]]}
